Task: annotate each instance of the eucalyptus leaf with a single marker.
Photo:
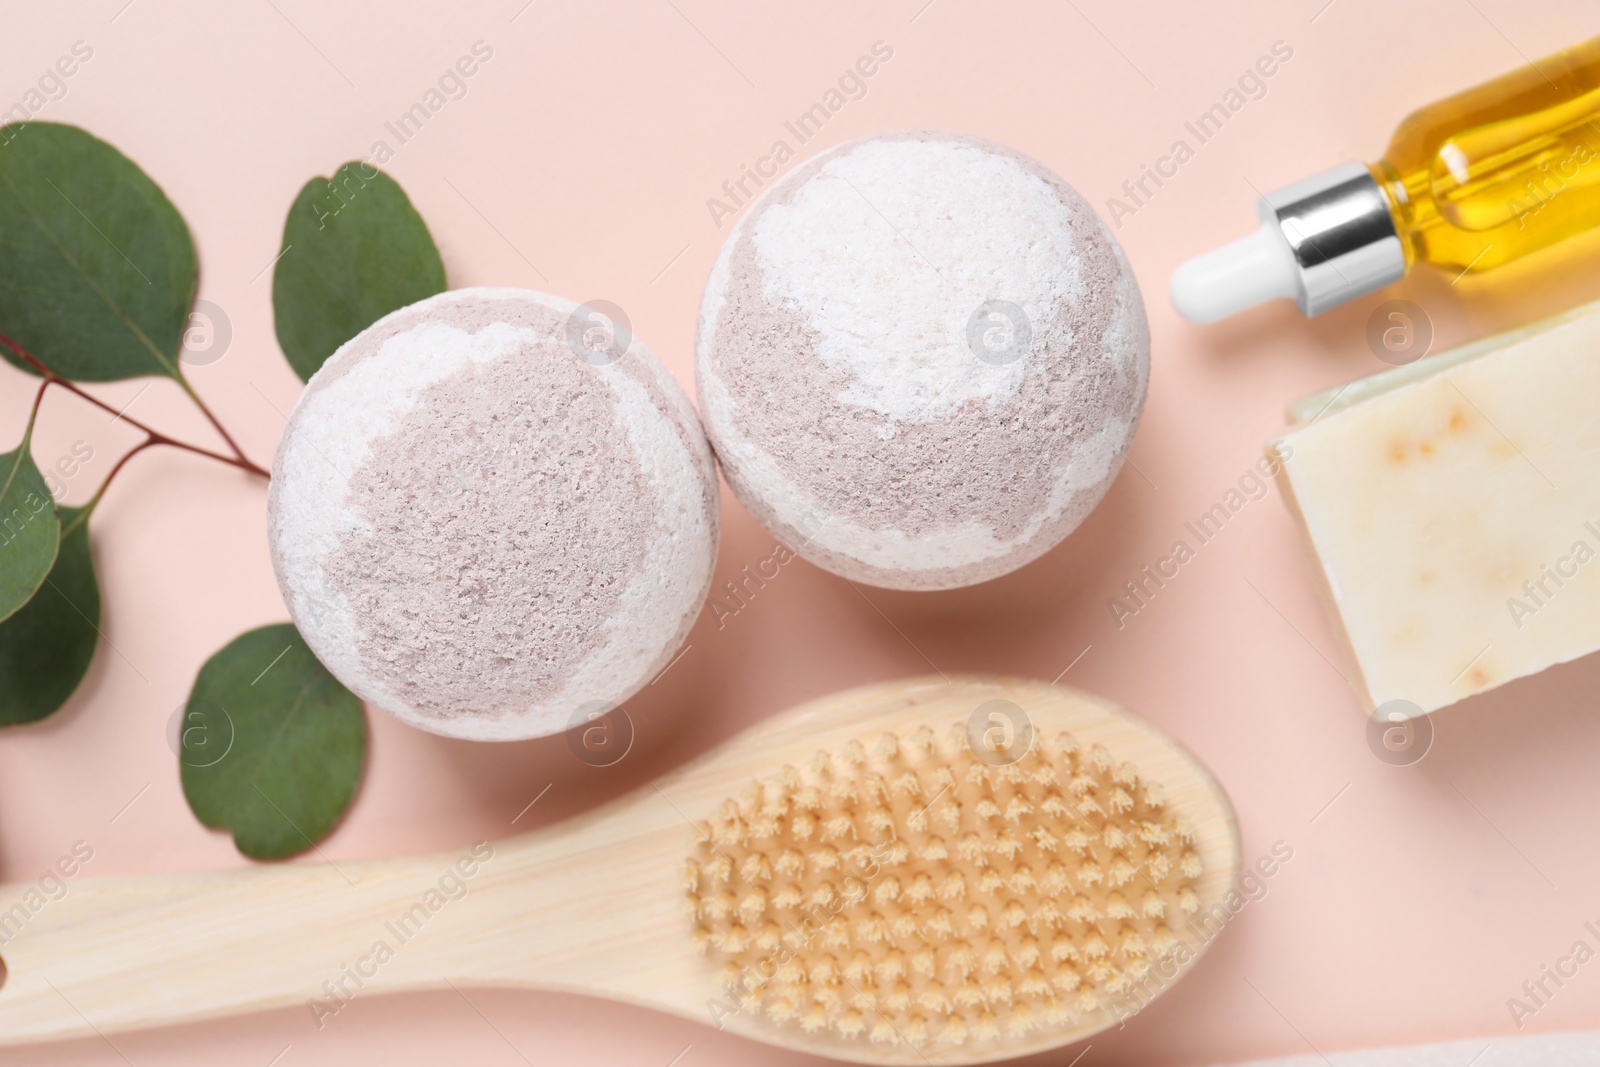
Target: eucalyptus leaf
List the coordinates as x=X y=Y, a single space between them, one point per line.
x=354 y=249
x=46 y=648
x=30 y=533
x=97 y=269
x=272 y=746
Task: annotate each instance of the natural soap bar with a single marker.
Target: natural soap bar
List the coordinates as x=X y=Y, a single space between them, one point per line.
x=1451 y=509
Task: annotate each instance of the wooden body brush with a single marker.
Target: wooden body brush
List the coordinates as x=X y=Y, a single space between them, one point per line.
x=926 y=871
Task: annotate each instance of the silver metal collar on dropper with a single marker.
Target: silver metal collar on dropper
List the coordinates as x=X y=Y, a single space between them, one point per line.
x=1321 y=242
x=1340 y=230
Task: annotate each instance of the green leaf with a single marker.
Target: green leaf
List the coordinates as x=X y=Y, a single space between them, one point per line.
x=30 y=533
x=97 y=270
x=272 y=746
x=46 y=648
x=354 y=249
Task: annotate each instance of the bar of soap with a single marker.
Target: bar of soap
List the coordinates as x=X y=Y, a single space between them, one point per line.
x=1451 y=509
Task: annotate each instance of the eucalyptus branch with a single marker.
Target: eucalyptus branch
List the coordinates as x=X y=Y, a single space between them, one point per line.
x=94 y=501
x=156 y=437
x=183 y=383
x=33 y=413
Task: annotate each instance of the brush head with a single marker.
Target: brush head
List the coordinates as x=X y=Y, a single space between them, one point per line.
x=923 y=890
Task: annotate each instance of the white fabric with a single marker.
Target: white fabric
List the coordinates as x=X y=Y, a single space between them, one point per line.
x=1544 y=1050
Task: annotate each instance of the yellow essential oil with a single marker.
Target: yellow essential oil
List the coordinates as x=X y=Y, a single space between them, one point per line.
x=1500 y=170
x=1473 y=181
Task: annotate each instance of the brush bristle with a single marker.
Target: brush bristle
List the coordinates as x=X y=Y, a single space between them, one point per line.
x=906 y=890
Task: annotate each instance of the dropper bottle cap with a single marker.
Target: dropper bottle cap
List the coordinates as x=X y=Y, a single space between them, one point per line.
x=1322 y=241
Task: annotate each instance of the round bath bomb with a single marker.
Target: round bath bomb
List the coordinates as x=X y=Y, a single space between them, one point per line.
x=921 y=359
x=487 y=525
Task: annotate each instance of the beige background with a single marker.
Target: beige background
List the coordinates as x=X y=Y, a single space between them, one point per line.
x=1418 y=899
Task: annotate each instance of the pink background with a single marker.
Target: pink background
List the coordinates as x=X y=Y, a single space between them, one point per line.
x=1418 y=898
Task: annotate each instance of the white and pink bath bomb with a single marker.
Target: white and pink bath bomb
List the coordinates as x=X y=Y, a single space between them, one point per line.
x=921 y=359
x=482 y=528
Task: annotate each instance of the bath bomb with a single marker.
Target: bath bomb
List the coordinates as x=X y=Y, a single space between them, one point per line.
x=921 y=358
x=490 y=521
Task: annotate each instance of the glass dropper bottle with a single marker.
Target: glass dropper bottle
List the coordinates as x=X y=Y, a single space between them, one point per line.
x=1476 y=180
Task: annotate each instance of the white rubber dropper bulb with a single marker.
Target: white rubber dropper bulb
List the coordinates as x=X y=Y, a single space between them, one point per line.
x=1243 y=274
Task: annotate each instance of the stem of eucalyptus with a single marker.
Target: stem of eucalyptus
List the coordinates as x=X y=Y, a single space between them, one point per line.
x=183 y=383
x=33 y=413
x=94 y=501
x=156 y=437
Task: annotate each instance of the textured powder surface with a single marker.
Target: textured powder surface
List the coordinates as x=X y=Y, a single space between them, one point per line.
x=480 y=531
x=526 y=572
x=842 y=390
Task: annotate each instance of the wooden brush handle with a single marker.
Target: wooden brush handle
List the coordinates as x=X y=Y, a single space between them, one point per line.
x=123 y=952
x=130 y=952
